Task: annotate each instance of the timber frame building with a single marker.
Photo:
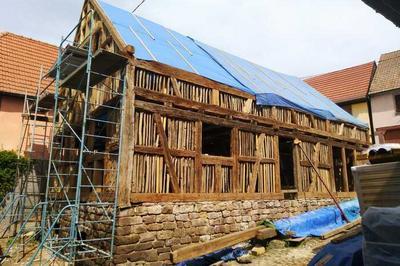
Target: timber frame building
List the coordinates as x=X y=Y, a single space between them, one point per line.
x=133 y=131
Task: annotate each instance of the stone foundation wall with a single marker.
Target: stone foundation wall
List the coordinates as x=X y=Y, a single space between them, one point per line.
x=147 y=233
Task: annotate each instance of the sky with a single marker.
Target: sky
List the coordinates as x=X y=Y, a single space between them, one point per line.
x=297 y=37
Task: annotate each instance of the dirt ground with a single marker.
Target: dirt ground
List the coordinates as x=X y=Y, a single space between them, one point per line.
x=289 y=256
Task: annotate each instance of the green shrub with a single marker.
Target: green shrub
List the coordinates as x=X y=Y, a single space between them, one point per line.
x=10 y=165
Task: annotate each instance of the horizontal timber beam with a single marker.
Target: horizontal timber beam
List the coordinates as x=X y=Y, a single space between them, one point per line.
x=179 y=197
x=191 y=115
x=220 y=111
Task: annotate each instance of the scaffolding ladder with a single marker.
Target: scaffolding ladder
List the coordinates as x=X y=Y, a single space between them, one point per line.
x=79 y=207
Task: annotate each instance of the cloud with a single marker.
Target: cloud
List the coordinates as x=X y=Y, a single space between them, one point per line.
x=296 y=37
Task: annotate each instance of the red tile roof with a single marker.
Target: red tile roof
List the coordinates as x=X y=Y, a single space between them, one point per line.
x=20 y=62
x=346 y=84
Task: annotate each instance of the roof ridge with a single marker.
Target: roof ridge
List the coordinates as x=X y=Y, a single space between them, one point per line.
x=338 y=70
x=5 y=33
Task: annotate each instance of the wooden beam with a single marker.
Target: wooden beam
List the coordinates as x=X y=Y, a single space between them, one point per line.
x=218 y=179
x=217 y=120
x=344 y=170
x=195 y=250
x=215 y=160
x=218 y=110
x=178 y=197
x=127 y=142
x=198 y=151
x=277 y=165
x=175 y=87
x=167 y=154
x=265 y=233
x=256 y=167
x=215 y=97
x=235 y=155
x=160 y=151
x=341 y=229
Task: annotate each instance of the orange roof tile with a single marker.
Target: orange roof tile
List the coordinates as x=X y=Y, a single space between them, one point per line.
x=346 y=84
x=20 y=62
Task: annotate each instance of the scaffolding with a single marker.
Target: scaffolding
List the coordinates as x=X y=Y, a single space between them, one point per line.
x=78 y=208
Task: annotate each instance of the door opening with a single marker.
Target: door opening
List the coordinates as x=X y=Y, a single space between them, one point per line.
x=286 y=163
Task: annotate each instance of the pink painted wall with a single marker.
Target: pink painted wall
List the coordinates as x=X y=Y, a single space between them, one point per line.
x=10 y=121
x=11 y=108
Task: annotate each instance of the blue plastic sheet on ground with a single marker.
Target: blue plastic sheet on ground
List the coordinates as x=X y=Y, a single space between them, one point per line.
x=346 y=253
x=154 y=42
x=318 y=222
x=226 y=254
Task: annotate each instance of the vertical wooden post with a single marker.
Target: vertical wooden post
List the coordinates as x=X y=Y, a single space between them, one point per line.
x=127 y=142
x=235 y=155
x=253 y=178
x=344 y=171
x=355 y=163
x=277 y=165
x=218 y=178
x=296 y=166
x=197 y=162
x=331 y=169
x=167 y=154
x=215 y=97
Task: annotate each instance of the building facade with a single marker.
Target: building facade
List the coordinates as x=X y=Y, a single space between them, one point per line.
x=349 y=89
x=21 y=60
x=385 y=98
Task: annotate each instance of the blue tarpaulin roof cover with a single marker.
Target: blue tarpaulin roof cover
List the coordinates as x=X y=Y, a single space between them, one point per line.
x=320 y=221
x=154 y=42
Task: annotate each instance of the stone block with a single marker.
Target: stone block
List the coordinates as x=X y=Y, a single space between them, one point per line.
x=147 y=236
x=163 y=235
x=158 y=243
x=155 y=209
x=127 y=239
x=186 y=208
x=146 y=255
x=226 y=213
x=205 y=238
x=214 y=215
x=199 y=222
x=143 y=246
x=182 y=217
x=138 y=229
x=186 y=240
x=154 y=227
x=167 y=209
x=165 y=218
x=125 y=221
x=168 y=225
x=149 y=219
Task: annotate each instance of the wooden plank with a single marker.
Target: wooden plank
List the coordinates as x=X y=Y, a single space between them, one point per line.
x=235 y=155
x=167 y=155
x=254 y=159
x=198 y=151
x=266 y=233
x=277 y=165
x=344 y=170
x=325 y=195
x=296 y=168
x=198 y=249
x=218 y=178
x=341 y=229
x=172 y=197
x=215 y=97
x=127 y=141
x=175 y=87
x=347 y=234
x=210 y=159
x=160 y=151
x=256 y=167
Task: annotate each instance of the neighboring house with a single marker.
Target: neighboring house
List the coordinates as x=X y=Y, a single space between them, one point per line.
x=348 y=88
x=385 y=98
x=20 y=61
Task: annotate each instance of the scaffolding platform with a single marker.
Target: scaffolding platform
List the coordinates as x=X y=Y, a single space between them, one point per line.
x=103 y=64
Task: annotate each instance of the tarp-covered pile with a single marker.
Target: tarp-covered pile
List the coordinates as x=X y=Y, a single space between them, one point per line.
x=318 y=222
